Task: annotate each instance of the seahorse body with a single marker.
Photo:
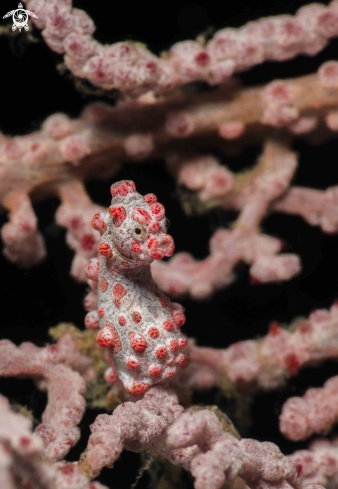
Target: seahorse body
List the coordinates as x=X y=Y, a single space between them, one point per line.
x=139 y=326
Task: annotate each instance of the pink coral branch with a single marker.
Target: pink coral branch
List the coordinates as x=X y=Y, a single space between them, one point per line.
x=195 y=440
x=318 y=208
x=265 y=363
x=46 y=163
x=21 y=465
x=23 y=242
x=268 y=181
x=319 y=464
x=136 y=426
x=254 y=194
x=135 y=71
x=202 y=174
x=17 y=442
x=96 y=144
x=215 y=185
x=222 y=457
x=75 y=214
x=66 y=405
x=184 y=275
x=315 y=412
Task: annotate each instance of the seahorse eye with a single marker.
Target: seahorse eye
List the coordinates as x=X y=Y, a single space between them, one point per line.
x=140 y=232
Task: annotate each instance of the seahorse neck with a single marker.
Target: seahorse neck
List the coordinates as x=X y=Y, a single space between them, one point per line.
x=139 y=274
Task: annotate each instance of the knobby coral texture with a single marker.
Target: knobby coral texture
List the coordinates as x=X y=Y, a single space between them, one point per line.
x=143 y=373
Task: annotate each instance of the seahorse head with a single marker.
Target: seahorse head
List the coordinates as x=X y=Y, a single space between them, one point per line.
x=134 y=231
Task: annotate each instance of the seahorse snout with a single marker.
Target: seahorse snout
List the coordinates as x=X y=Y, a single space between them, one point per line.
x=161 y=246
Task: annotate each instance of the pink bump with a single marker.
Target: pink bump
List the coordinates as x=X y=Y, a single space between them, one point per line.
x=132 y=363
x=136 y=247
x=168 y=325
x=105 y=250
x=110 y=375
x=178 y=318
x=105 y=337
x=108 y=337
x=118 y=212
x=157 y=211
x=202 y=59
x=122 y=188
x=328 y=74
x=101 y=312
x=231 y=130
x=154 y=226
x=179 y=124
x=122 y=320
x=181 y=359
x=119 y=291
x=137 y=342
x=170 y=373
x=136 y=317
x=98 y=222
x=137 y=388
x=103 y=285
x=161 y=351
x=150 y=198
x=58 y=126
x=141 y=216
x=74 y=149
x=92 y=269
x=92 y=320
x=153 y=332
x=173 y=345
x=154 y=370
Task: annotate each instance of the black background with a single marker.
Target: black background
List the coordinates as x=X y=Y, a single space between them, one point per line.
x=34 y=300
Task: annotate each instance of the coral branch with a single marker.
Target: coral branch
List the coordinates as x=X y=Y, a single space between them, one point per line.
x=75 y=214
x=132 y=69
x=195 y=440
x=254 y=194
x=65 y=387
x=316 y=412
x=135 y=426
x=258 y=107
x=48 y=163
x=318 y=208
x=17 y=442
x=265 y=363
x=319 y=464
x=102 y=138
x=23 y=242
x=222 y=458
x=20 y=464
x=202 y=174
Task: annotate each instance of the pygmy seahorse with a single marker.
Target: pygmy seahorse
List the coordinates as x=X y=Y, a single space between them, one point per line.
x=139 y=325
